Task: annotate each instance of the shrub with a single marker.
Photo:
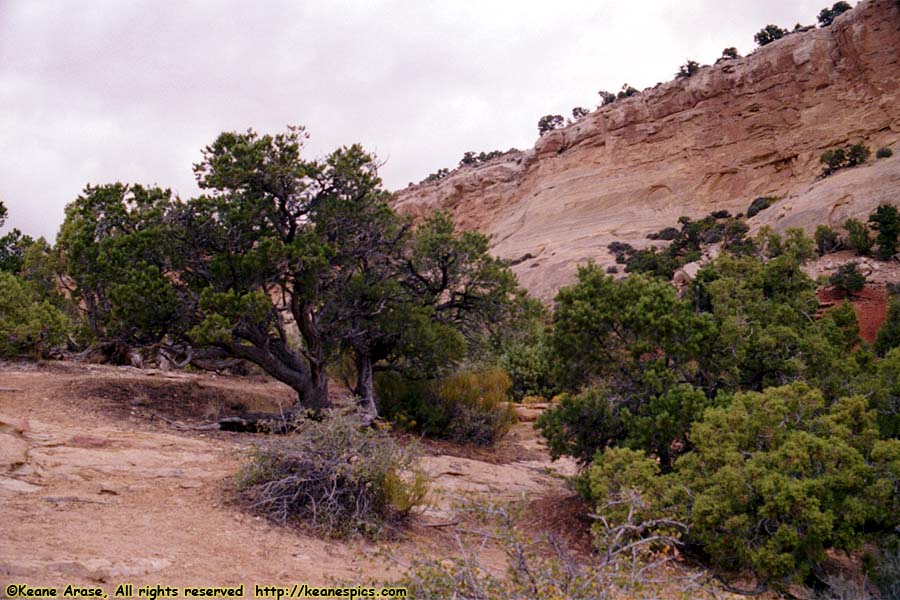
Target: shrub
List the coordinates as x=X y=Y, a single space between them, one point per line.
x=478 y=405
x=606 y=98
x=839 y=158
x=579 y=112
x=335 y=477
x=438 y=175
x=886 y=573
x=28 y=326
x=653 y=262
x=888 y=336
x=624 y=570
x=612 y=269
x=828 y=15
x=720 y=214
x=688 y=69
x=759 y=205
x=848 y=279
x=884 y=389
x=731 y=52
x=548 y=123
x=840 y=327
x=470 y=158
x=886 y=221
x=777 y=479
x=465 y=407
x=834 y=159
x=769 y=34
x=661 y=424
x=858 y=237
x=626 y=92
x=530 y=368
x=884 y=153
x=858 y=154
x=581 y=425
x=827 y=240
x=619 y=248
x=667 y=234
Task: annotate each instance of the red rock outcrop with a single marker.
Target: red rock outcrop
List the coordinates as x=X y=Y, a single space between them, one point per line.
x=747 y=127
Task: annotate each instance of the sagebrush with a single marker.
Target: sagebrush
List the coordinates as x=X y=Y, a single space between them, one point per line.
x=334 y=476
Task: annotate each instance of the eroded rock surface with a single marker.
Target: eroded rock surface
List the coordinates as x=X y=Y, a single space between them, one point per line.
x=744 y=128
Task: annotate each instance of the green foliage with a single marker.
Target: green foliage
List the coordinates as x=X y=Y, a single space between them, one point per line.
x=717 y=228
x=441 y=173
x=688 y=69
x=626 y=92
x=652 y=262
x=834 y=159
x=840 y=158
x=730 y=53
x=652 y=352
x=668 y=234
x=634 y=332
x=616 y=472
x=676 y=404
x=470 y=158
x=774 y=481
x=885 y=385
x=287 y=263
x=334 y=476
x=858 y=237
x=763 y=313
x=606 y=98
x=580 y=425
x=889 y=334
x=827 y=240
x=13 y=246
x=661 y=425
x=848 y=279
x=778 y=478
x=530 y=365
x=886 y=221
x=464 y=407
x=841 y=327
x=28 y=325
x=858 y=154
x=884 y=153
x=760 y=204
x=620 y=250
x=579 y=112
x=769 y=34
x=548 y=123
x=828 y=15
x=112 y=243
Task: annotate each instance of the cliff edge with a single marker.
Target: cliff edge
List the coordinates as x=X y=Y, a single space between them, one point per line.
x=743 y=128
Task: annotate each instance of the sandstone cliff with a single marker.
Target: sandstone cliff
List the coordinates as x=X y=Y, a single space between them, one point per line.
x=748 y=127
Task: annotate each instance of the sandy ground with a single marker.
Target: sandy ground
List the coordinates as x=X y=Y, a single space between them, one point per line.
x=96 y=487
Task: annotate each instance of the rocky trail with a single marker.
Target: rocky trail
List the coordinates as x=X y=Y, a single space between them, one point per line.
x=97 y=485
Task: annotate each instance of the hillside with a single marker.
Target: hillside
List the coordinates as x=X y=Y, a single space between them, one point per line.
x=744 y=128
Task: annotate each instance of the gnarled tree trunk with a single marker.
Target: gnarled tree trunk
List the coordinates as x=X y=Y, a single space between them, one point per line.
x=365 y=385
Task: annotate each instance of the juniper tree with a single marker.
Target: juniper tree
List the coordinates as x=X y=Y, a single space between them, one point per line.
x=285 y=262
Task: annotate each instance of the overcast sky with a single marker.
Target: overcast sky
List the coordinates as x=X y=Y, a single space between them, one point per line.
x=95 y=91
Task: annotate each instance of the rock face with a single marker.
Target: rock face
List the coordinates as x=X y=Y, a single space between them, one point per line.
x=744 y=128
